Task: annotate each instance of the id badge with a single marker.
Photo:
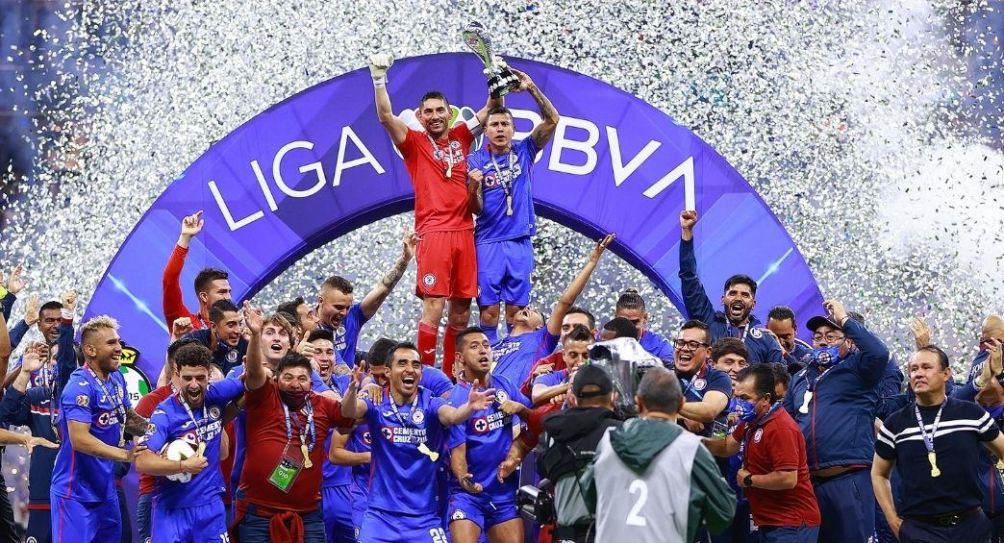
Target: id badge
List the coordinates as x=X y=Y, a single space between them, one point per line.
x=285 y=473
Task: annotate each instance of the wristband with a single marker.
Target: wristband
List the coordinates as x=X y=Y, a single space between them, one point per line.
x=748 y=480
x=380 y=81
x=3 y=292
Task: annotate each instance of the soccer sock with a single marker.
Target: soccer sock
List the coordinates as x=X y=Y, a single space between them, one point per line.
x=450 y=350
x=428 y=335
x=491 y=331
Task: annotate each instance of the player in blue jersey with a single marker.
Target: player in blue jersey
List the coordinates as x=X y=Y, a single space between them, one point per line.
x=336 y=311
x=408 y=429
x=479 y=501
x=531 y=339
x=553 y=387
x=95 y=414
x=223 y=336
x=500 y=195
x=188 y=494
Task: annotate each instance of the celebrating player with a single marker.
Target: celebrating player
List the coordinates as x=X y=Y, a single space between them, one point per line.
x=447 y=266
x=500 y=178
x=211 y=285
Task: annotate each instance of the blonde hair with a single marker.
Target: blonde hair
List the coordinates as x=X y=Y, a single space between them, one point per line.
x=97 y=323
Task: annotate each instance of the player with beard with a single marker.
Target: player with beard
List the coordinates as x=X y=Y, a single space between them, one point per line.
x=532 y=339
x=555 y=361
x=336 y=311
x=211 y=285
x=95 y=414
x=435 y=159
x=190 y=508
x=631 y=306
x=281 y=479
x=409 y=428
x=553 y=387
x=223 y=337
x=479 y=501
x=706 y=389
x=738 y=300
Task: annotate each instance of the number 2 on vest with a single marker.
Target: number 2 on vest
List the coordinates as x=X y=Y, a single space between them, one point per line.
x=634 y=517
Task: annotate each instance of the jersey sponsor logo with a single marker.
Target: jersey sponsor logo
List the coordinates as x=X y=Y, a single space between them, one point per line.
x=418 y=417
x=106 y=419
x=83 y=400
x=494 y=179
x=388 y=433
x=404 y=434
x=429 y=279
x=700 y=384
x=494 y=421
x=757 y=435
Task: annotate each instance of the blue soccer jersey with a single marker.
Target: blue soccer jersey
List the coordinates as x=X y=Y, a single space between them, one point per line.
x=551 y=379
x=102 y=404
x=347 y=335
x=172 y=421
x=436 y=381
x=507 y=174
x=515 y=355
x=403 y=476
x=488 y=434
x=336 y=475
x=657 y=346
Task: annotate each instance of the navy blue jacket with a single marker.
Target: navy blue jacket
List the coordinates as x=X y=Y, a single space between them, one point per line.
x=224 y=356
x=839 y=428
x=993 y=482
x=794 y=360
x=762 y=346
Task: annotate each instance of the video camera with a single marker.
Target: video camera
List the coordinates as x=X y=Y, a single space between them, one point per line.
x=536 y=503
x=626 y=361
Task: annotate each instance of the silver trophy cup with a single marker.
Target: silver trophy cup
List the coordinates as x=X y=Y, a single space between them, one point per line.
x=501 y=80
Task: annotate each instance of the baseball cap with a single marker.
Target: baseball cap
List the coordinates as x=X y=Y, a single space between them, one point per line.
x=819 y=320
x=591 y=375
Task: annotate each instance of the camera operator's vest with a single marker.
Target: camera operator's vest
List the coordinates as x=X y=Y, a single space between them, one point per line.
x=648 y=508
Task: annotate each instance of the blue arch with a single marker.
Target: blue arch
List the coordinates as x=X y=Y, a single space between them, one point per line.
x=318 y=165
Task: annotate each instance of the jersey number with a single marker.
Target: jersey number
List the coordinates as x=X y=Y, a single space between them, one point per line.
x=634 y=517
x=438 y=535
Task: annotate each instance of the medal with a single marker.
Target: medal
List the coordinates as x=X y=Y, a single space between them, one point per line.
x=308 y=434
x=505 y=180
x=933 y=459
x=201 y=449
x=805 y=402
x=424 y=449
x=508 y=204
x=117 y=404
x=306 y=456
x=449 y=154
x=1000 y=464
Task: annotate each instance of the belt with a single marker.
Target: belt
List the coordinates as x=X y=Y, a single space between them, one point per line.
x=828 y=474
x=947 y=519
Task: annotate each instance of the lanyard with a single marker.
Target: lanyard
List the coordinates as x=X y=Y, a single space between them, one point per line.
x=929 y=438
x=690 y=382
x=449 y=154
x=505 y=180
x=117 y=404
x=305 y=431
x=755 y=425
x=199 y=431
x=397 y=414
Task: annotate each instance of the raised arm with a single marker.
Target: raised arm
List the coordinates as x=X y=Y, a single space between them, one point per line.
x=5 y=348
x=874 y=353
x=475 y=191
x=543 y=132
x=254 y=371
x=567 y=299
x=66 y=356
x=21 y=328
x=352 y=406
x=695 y=298
x=174 y=304
x=379 y=64
x=375 y=297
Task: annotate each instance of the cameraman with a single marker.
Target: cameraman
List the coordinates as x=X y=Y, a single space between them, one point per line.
x=568 y=446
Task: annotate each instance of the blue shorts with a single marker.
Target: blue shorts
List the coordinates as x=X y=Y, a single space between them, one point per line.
x=337 y=504
x=199 y=523
x=504 y=269
x=481 y=509
x=86 y=522
x=386 y=527
x=359 y=500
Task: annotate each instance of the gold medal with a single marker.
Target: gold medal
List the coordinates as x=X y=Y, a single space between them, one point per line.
x=201 y=450
x=424 y=449
x=1000 y=464
x=306 y=456
x=933 y=459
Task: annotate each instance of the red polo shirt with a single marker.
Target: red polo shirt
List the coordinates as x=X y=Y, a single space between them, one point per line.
x=778 y=445
x=555 y=359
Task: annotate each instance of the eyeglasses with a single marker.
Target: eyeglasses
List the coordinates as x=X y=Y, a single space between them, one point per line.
x=828 y=337
x=692 y=345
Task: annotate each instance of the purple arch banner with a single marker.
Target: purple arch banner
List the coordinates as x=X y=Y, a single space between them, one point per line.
x=318 y=165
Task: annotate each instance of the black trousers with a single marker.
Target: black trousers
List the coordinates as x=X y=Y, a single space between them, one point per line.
x=8 y=531
x=974 y=529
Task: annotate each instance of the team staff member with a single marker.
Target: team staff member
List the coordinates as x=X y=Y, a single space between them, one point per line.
x=738 y=301
x=409 y=429
x=211 y=284
x=631 y=306
x=834 y=401
x=781 y=322
x=336 y=311
x=95 y=414
x=706 y=388
x=774 y=475
x=447 y=263
x=189 y=508
x=281 y=478
x=933 y=442
x=500 y=195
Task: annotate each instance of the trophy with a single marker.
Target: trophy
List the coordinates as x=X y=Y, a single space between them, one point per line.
x=501 y=80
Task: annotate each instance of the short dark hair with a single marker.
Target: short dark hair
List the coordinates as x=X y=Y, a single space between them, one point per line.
x=498 y=110
x=401 y=345
x=781 y=375
x=220 y=308
x=582 y=311
x=338 y=283
x=193 y=355
x=207 y=276
x=172 y=349
x=321 y=333
x=290 y=306
x=621 y=327
x=630 y=299
x=741 y=279
x=694 y=323
x=433 y=95
x=729 y=345
x=782 y=313
x=294 y=323
x=49 y=306
x=579 y=332
x=462 y=335
x=942 y=355
x=660 y=390
x=379 y=351
x=763 y=378
x=293 y=360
